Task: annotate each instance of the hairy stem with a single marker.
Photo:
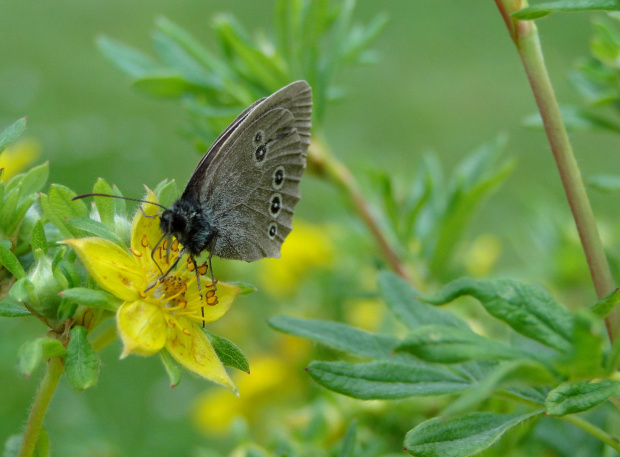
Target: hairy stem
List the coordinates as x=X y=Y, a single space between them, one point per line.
x=525 y=37
x=42 y=399
x=326 y=165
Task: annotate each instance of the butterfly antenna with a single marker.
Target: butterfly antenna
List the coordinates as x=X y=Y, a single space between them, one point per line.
x=78 y=197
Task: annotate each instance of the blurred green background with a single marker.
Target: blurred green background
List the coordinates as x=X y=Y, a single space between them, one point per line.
x=448 y=79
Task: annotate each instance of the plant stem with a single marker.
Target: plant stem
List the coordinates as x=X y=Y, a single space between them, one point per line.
x=525 y=37
x=39 y=407
x=593 y=430
x=325 y=164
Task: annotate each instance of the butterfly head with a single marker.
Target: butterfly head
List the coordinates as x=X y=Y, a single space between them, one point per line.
x=187 y=222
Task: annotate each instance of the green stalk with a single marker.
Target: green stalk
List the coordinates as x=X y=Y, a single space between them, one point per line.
x=42 y=399
x=593 y=430
x=525 y=37
x=324 y=164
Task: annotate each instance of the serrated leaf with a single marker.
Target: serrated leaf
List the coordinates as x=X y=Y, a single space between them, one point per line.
x=33 y=352
x=11 y=133
x=92 y=298
x=105 y=205
x=127 y=58
x=402 y=300
x=575 y=397
x=174 y=370
x=11 y=263
x=338 y=336
x=528 y=309
x=565 y=6
x=229 y=354
x=436 y=343
x=461 y=436
x=81 y=361
x=96 y=228
x=385 y=379
x=38 y=238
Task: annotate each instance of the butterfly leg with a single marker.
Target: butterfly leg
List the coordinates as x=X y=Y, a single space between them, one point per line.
x=202 y=308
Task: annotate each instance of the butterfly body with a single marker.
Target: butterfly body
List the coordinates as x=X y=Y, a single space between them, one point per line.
x=239 y=202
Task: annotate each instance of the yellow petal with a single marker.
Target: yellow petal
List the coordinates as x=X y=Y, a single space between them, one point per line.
x=143 y=226
x=113 y=268
x=189 y=346
x=142 y=327
x=226 y=294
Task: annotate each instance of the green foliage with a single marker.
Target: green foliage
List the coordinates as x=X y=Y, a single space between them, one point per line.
x=440 y=354
x=229 y=353
x=435 y=211
x=81 y=361
x=544 y=9
x=312 y=40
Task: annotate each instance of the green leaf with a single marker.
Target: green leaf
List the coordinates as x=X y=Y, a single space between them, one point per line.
x=607 y=303
x=168 y=193
x=338 y=336
x=92 y=298
x=269 y=71
x=528 y=309
x=575 y=397
x=34 y=180
x=348 y=444
x=33 y=352
x=19 y=213
x=11 y=133
x=435 y=343
x=245 y=287
x=105 y=205
x=81 y=361
x=42 y=448
x=10 y=262
x=58 y=207
x=462 y=436
x=8 y=216
x=605 y=183
x=10 y=309
x=517 y=372
x=174 y=370
x=544 y=9
x=402 y=300
x=130 y=60
x=585 y=357
x=385 y=380
x=38 y=238
x=229 y=354
x=96 y=228
x=193 y=48
x=167 y=83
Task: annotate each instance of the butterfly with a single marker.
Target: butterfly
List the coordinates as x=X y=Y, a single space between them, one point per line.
x=240 y=200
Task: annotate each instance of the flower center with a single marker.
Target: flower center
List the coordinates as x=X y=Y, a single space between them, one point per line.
x=179 y=293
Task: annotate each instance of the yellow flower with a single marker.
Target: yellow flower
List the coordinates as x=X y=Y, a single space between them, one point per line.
x=17 y=156
x=168 y=315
